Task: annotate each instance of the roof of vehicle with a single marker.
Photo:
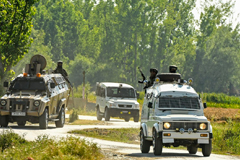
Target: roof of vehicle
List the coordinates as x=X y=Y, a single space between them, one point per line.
x=175 y=88
x=112 y=84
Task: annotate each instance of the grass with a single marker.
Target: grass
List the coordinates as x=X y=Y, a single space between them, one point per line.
x=87 y=122
x=14 y=146
x=126 y=135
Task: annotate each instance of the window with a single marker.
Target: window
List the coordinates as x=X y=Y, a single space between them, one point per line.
x=121 y=92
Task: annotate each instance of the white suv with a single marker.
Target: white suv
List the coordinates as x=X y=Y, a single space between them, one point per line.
x=116 y=100
x=172 y=115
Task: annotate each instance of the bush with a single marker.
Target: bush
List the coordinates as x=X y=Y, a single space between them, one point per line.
x=74 y=115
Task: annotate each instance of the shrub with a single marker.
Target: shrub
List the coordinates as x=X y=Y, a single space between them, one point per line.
x=74 y=115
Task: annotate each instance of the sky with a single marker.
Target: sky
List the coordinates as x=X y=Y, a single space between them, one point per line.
x=236 y=11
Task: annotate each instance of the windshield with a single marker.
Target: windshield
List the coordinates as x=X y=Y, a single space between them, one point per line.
x=179 y=102
x=27 y=85
x=121 y=92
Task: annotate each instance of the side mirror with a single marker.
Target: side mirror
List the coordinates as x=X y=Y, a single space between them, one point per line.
x=5 y=84
x=52 y=85
x=137 y=95
x=150 y=105
x=205 y=105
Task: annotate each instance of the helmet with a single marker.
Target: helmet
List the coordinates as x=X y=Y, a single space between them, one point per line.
x=172 y=69
x=154 y=70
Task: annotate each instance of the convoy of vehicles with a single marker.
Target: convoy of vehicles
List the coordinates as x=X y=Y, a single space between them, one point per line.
x=172 y=115
x=35 y=97
x=116 y=100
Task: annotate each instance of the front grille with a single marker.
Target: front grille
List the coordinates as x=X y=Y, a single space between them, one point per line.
x=19 y=105
x=179 y=102
x=125 y=106
x=186 y=125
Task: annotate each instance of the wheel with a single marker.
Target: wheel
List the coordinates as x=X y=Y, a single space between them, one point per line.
x=61 y=118
x=144 y=144
x=127 y=119
x=43 y=120
x=207 y=149
x=107 y=115
x=3 y=121
x=157 y=144
x=192 y=149
x=21 y=123
x=136 y=118
x=99 y=116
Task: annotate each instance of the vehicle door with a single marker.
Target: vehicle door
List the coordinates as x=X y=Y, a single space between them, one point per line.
x=54 y=98
x=102 y=100
x=150 y=115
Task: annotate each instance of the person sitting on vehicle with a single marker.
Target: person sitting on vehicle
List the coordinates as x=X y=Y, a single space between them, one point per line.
x=60 y=69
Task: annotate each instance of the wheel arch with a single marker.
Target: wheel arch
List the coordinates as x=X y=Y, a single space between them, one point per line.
x=144 y=128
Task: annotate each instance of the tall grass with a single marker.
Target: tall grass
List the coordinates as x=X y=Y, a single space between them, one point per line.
x=16 y=147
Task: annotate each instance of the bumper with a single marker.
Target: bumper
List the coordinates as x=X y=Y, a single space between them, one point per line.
x=28 y=113
x=186 y=136
x=123 y=112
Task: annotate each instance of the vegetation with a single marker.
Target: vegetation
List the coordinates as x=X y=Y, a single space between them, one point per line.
x=74 y=115
x=127 y=135
x=16 y=147
x=87 y=122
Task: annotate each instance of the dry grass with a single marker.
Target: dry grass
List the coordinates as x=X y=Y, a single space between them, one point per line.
x=87 y=122
x=222 y=114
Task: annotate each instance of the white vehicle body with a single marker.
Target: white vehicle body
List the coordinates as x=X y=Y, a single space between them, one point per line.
x=116 y=100
x=180 y=107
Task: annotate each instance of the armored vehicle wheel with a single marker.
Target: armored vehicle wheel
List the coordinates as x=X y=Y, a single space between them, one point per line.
x=21 y=123
x=3 y=121
x=43 y=120
x=136 y=118
x=207 y=149
x=99 y=116
x=127 y=119
x=107 y=114
x=61 y=118
x=144 y=144
x=157 y=144
x=192 y=149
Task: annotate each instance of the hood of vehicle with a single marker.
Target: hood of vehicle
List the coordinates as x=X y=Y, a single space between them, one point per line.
x=123 y=101
x=177 y=117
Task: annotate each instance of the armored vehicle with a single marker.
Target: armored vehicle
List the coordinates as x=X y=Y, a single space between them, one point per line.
x=35 y=96
x=116 y=100
x=172 y=115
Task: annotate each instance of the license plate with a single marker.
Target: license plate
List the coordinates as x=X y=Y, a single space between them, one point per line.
x=125 y=112
x=18 y=113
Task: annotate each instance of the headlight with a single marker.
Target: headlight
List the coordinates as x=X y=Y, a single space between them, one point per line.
x=202 y=126
x=167 y=125
x=112 y=105
x=36 y=103
x=3 y=102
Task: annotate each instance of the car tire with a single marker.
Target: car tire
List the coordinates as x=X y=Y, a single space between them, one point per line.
x=127 y=119
x=107 y=115
x=136 y=118
x=157 y=144
x=43 y=120
x=144 y=144
x=192 y=149
x=99 y=116
x=61 y=117
x=21 y=124
x=3 y=121
x=207 y=149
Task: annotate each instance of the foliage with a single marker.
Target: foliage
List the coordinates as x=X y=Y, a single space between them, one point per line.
x=47 y=148
x=74 y=115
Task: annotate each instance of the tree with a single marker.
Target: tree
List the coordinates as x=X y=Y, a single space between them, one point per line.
x=15 y=29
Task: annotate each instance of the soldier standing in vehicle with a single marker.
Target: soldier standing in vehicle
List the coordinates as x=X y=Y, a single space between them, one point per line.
x=153 y=74
x=172 y=69
x=60 y=69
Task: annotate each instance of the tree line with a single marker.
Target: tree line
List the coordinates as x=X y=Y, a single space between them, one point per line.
x=109 y=39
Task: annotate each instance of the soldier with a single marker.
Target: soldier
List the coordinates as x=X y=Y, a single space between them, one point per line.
x=173 y=69
x=153 y=74
x=60 y=69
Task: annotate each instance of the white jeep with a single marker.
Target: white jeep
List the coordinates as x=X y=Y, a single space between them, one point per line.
x=116 y=100
x=172 y=115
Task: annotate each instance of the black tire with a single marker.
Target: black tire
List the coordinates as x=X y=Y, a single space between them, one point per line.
x=207 y=149
x=144 y=144
x=157 y=144
x=21 y=123
x=192 y=149
x=61 y=117
x=3 y=121
x=136 y=118
x=99 y=116
x=43 y=120
x=107 y=115
x=127 y=119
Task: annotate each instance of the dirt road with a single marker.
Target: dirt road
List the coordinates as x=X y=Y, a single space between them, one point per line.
x=130 y=151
